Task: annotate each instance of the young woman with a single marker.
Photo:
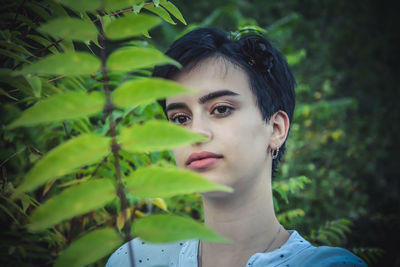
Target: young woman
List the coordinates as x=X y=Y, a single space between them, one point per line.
x=244 y=104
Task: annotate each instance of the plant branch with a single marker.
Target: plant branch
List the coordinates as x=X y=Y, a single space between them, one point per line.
x=115 y=146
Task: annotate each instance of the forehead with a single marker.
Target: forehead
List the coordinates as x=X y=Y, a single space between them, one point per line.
x=210 y=75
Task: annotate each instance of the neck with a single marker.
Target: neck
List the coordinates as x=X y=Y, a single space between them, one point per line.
x=247 y=218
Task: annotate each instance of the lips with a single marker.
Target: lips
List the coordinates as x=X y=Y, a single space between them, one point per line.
x=202 y=159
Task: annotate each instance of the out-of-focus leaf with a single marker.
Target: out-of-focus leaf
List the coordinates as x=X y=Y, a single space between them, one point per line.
x=81 y=6
x=157 y=135
x=82 y=150
x=160 y=11
x=36 y=84
x=153 y=182
x=120 y=4
x=70 y=63
x=144 y=91
x=131 y=58
x=71 y=105
x=73 y=201
x=70 y=29
x=168 y=228
x=13 y=55
x=89 y=248
x=130 y=26
x=173 y=10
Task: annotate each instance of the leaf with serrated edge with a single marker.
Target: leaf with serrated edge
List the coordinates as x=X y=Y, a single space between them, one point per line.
x=157 y=135
x=73 y=201
x=71 y=105
x=132 y=58
x=82 y=150
x=153 y=182
x=173 y=10
x=89 y=248
x=70 y=29
x=168 y=228
x=144 y=91
x=70 y=63
x=130 y=26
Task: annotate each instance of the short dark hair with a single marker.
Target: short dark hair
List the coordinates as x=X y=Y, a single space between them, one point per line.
x=270 y=77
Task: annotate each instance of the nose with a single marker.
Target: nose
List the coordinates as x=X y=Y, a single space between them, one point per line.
x=200 y=126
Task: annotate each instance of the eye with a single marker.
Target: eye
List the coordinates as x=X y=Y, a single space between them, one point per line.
x=179 y=119
x=222 y=111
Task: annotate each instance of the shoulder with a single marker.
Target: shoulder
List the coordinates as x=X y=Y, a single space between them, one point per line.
x=329 y=256
x=146 y=254
x=298 y=252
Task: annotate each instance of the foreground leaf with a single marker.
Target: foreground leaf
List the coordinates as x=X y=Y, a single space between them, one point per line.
x=154 y=182
x=160 y=11
x=70 y=29
x=168 y=228
x=70 y=63
x=130 y=26
x=133 y=58
x=144 y=91
x=73 y=201
x=71 y=105
x=82 y=150
x=173 y=10
x=89 y=248
x=157 y=135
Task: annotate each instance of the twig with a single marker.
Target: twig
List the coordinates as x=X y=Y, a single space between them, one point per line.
x=115 y=147
x=99 y=165
x=13 y=155
x=38 y=53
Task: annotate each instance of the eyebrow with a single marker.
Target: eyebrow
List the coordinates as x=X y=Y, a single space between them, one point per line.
x=203 y=99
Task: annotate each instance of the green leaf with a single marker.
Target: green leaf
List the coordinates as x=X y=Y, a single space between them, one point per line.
x=89 y=248
x=120 y=4
x=70 y=63
x=13 y=55
x=70 y=29
x=157 y=135
x=151 y=182
x=160 y=11
x=81 y=6
x=36 y=84
x=132 y=58
x=82 y=150
x=173 y=10
x=130 y=26
x=71 y=202
x=144 y=91
x=68 y=106
x=168 y=228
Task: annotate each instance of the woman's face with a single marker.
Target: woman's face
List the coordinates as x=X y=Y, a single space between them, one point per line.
x=223 y=109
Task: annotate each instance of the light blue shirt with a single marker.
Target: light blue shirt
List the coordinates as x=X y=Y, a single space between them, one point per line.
x=295 y=252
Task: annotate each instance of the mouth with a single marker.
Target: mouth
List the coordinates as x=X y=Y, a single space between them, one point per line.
x=202 y=160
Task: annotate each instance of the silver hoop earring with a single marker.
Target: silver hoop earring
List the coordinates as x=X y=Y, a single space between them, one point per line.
x=275 y=153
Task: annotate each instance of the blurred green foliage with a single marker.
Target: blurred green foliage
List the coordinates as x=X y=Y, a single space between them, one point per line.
x=338 y=182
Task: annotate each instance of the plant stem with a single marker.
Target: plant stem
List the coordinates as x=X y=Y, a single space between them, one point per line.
x=115 y=147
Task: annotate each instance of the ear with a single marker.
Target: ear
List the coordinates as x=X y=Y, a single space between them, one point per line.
x=280 y=128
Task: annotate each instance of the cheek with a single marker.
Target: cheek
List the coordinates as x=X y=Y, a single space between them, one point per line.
x=179 y=157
